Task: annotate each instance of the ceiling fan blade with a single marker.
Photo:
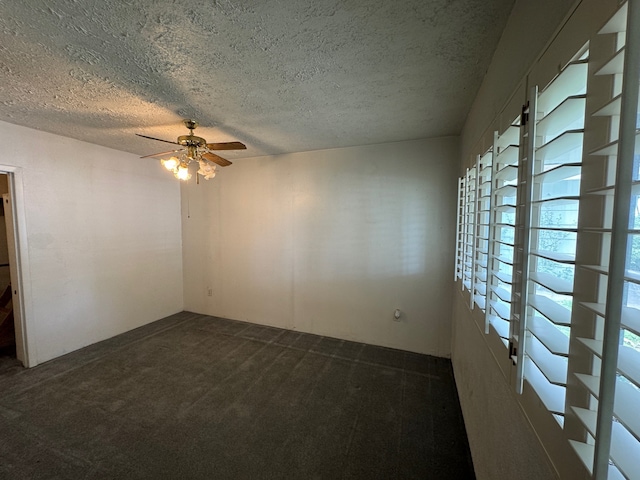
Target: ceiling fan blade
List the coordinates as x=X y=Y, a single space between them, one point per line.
x=162 y=153
x=212 y=157
x=158 y=139
x=227 y=146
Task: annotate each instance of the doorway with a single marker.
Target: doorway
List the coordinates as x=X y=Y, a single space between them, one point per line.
x=7 y=327
x=13 y=259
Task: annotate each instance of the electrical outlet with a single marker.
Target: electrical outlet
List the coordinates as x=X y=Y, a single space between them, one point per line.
x=210 y=292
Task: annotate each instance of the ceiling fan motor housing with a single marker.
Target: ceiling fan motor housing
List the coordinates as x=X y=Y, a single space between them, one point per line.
x=191 y=141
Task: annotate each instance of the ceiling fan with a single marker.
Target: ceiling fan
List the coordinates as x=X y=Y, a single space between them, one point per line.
x=194 y=149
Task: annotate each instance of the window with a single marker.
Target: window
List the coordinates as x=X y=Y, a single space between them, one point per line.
x=468 y=223
x=612 y=381
x=549 y=243
x=483 y=209
x=460 y=231
x=502 y=231
x=551 y=176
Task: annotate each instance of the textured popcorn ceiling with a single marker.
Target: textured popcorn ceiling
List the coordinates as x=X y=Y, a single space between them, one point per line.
x=279 y=75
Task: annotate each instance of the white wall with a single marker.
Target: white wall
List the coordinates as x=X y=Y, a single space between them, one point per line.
x=503 y=445
x=103 y=235
x=329 y=242
x=502 y=442
x=529 y=29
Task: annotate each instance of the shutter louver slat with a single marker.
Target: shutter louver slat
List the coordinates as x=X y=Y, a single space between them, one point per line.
x=585 y=452
x=550 y=309
x=631 y=319
x=569 y=111
x=553 y=283
x=552 y=396
x=612 y=107
x=501 y=326
x=594 y=345
x=549 y=336
x=625 y=451
x=625 y=406
x=587 y=417
x=613 y=66
x=553 y=367
x=629 y=364
x=562 y=144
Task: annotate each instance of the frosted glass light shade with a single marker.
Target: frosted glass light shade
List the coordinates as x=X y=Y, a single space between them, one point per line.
x=182 y=173
x=170 y=164
x=207 y=170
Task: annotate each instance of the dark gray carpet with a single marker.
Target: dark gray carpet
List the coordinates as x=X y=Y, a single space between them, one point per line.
x=192 y=396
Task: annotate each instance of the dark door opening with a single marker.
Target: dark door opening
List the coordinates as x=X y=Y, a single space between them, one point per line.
x=7 y=324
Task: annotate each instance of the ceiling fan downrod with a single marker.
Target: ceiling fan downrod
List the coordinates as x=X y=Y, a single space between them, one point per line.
x=191 y=140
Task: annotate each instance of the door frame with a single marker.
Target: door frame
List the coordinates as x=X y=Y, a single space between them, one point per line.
x=19 y=258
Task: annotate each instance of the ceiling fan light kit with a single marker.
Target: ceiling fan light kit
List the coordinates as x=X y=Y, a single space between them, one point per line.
x=194 y=149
